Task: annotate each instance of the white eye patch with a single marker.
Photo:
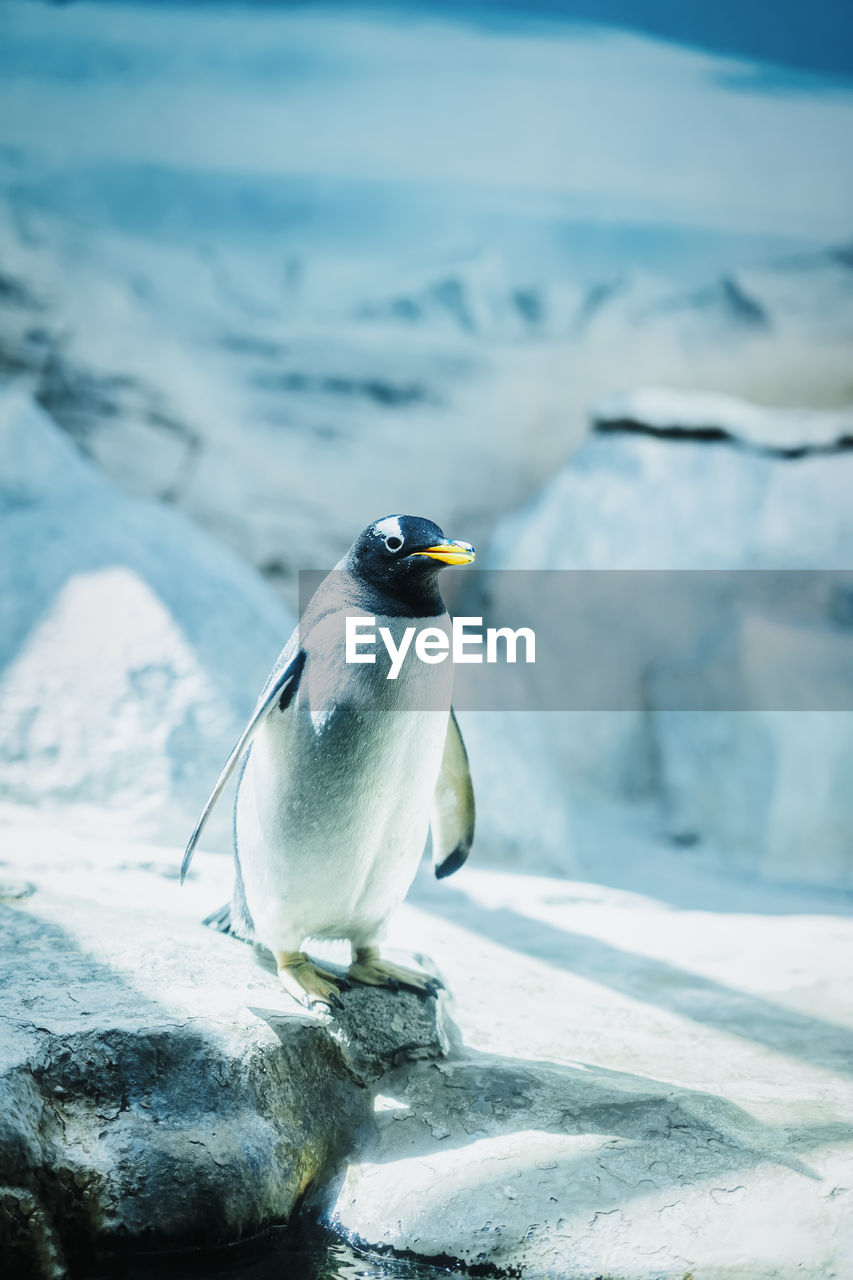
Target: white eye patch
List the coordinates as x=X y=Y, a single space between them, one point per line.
x=390 y=528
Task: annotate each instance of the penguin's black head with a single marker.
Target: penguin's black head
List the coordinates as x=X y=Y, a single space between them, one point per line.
x=400 y=557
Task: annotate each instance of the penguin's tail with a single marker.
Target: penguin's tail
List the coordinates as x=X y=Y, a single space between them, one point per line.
x=231 y=921
x=220 y=920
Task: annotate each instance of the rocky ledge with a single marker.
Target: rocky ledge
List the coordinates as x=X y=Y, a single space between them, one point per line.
x=158 y=1088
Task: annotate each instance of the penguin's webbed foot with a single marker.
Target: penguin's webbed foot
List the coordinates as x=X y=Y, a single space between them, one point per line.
x=309 y=985
x=367 y=967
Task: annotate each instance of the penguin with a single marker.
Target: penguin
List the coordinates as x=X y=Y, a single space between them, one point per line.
x=343 y=771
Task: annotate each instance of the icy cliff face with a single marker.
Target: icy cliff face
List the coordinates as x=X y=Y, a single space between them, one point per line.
x=686 y=482
x=690 y=481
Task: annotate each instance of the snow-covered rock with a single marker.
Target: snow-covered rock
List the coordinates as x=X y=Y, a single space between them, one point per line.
x=132 y=646
x=765 y=785
x=630 y=501
x=697 y=415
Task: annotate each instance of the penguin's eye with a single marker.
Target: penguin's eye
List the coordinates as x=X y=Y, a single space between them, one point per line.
x=393 y=543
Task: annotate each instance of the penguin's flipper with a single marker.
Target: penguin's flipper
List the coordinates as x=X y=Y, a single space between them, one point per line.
x=452 y=820
x=279 y=690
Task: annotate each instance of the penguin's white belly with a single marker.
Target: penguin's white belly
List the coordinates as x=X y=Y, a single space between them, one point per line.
x=333 y=808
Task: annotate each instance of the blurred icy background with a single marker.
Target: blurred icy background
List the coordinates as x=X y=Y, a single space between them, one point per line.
x=269 y=271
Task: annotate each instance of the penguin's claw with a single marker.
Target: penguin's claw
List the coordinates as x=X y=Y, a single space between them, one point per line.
x=337 y=979
x=369 y=969
x=312 y=987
